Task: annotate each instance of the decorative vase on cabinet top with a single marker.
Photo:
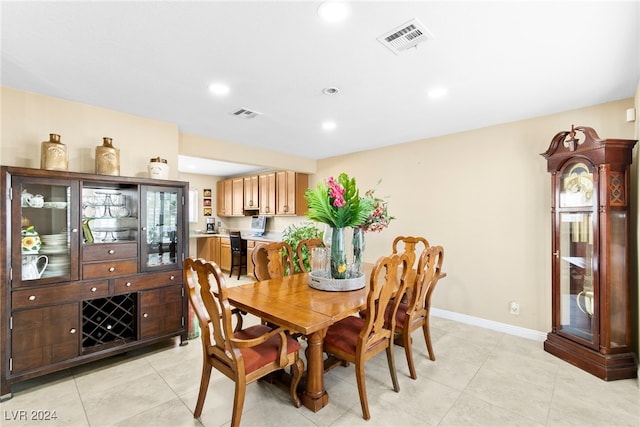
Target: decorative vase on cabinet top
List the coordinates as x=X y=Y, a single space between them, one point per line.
x=53 y=154
x=107 y=158
x=158 y=168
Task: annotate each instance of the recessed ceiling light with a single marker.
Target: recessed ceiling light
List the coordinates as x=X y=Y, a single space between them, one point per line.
x=219 y=89
x=437 y=92
x=331 y=90
x=333 y=11
x=328 y=125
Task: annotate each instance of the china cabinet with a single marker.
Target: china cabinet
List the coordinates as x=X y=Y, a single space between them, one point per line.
x=91 y=267
x=591 y=287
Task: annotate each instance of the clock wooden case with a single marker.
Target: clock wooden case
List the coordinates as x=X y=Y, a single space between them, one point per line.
x=590 y=214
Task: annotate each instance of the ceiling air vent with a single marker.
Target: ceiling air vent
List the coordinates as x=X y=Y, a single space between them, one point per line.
x=245 y=113
x=405 y=36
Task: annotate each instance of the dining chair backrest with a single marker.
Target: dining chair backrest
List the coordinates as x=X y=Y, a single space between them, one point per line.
x=389 y=279
x=238 y=253
x=410 y=245
x=272 y=260
x=303 y=251
x=242 y=355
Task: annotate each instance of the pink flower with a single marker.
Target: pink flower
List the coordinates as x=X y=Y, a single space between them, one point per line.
x=336 y=192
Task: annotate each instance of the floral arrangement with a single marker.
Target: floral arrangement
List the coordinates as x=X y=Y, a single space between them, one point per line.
x=337 y=202
x=379 y=218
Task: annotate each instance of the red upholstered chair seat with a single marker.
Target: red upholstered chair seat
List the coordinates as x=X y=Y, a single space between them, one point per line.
x=265 y=353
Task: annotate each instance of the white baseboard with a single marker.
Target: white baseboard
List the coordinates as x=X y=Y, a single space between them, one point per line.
x=490 y=324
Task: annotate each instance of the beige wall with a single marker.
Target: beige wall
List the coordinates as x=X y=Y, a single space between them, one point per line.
x=483 y=194
x=28 y=119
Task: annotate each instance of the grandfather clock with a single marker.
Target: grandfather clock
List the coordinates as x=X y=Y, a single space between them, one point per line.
x=591 y=320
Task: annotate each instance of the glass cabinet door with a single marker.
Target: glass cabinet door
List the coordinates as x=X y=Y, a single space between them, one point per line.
x=44 y=231
x=576 y=248
x=109 y=213
x=162 y=216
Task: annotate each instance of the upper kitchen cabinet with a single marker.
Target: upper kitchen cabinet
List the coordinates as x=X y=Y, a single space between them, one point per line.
x=251 y=194
x=271 y=193
x=224 y=197
x=290 y=189
x=237 y=196
x=267 y=189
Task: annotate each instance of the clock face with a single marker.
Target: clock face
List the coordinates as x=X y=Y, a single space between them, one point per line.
x=577 y=186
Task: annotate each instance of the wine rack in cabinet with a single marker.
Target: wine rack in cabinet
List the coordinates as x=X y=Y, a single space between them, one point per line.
x=91 y=268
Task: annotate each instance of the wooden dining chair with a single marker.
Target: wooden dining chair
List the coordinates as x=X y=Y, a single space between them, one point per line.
x=243 y=355
x=414 y=313
x=356 y=339
x=272 y=260
x=303 y=251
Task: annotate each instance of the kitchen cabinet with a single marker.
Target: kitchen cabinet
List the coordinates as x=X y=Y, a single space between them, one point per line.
x=267 y=189
x=92 y=267
x=209 y=248
x=290 y=189
x=237 y=198
x=251 y=193
x=225 y=254
x=224 y=197
x=591 y=258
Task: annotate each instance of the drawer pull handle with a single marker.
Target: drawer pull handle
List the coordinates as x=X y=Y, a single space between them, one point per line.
x=94 y=289
x=128 y=284
x=112 y=269
x=111 y=251
x=145 y=315
x=172 y=277
x=32 y=297
x=72 y=331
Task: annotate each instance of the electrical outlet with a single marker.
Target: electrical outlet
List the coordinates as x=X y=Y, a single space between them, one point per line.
x=514 y=308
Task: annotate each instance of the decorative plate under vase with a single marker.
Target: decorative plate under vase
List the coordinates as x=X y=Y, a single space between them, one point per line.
x=320 y=281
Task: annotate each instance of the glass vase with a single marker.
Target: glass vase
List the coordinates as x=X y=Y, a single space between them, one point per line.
x=358 y=248
x=338 y=254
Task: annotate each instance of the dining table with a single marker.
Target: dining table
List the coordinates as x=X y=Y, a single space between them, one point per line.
x=291 y=303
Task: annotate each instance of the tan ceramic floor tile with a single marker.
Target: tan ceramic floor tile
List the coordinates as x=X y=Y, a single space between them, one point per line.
x=472 y=411
x=111 y=406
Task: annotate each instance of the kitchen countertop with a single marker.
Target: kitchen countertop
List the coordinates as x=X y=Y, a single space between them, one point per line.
x=247 y=235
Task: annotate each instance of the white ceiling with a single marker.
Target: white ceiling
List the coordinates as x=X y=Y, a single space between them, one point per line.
x=499 y=61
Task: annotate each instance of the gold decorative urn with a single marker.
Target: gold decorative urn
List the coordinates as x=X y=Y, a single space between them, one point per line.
x=53 y=154
x=107 y=158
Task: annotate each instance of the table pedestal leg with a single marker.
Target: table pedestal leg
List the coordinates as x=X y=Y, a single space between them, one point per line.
x=315 y=397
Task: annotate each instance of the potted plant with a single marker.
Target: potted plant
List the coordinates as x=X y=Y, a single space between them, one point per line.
x=293 y=234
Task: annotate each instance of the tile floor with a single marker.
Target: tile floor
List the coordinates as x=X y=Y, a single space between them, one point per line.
x=480 y=378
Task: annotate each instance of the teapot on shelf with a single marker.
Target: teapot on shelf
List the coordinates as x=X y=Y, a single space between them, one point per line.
x=29 y=200
x=30 y=240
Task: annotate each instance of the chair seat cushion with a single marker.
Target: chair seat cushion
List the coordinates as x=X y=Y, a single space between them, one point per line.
x=343 y=335
x=265 y=353
x=401 y=314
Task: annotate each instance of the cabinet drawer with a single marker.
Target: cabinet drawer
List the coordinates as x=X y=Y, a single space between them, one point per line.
x=107 y=251
x=108 y=269
x=29 y=298
x=147 y=281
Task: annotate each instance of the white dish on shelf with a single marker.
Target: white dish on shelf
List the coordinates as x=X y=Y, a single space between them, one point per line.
x=55 y=205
